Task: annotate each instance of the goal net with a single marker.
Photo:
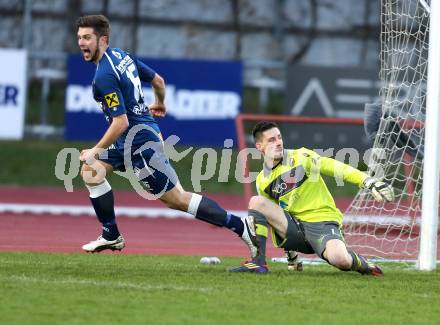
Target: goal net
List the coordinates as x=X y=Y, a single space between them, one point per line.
x=395 y=125
x=391 y=230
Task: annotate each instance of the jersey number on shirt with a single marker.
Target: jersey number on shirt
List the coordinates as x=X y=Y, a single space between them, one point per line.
x=138 y=94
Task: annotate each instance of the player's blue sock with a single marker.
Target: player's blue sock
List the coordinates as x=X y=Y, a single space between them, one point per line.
x=104 y=208
x=234 y=223
x=209 y=211
x=102 y=200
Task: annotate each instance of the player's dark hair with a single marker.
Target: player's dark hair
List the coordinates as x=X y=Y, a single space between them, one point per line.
x=262 y=126
x=99 y=23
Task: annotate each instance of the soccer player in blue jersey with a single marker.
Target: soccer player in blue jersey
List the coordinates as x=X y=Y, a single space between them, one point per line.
x=117 y=86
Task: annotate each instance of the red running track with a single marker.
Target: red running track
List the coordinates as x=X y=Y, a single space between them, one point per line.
x=152 y=236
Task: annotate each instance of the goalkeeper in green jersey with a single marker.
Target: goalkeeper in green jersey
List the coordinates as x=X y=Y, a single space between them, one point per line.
x=295 y=202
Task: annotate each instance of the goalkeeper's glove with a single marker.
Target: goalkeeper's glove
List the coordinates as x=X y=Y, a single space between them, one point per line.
x=381 y=191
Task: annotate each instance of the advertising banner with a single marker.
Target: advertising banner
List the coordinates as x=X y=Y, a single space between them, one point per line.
x=13 y=67
x=329 y=92
x=202 y=99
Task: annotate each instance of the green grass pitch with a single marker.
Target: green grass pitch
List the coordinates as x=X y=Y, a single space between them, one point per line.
x=40 y=288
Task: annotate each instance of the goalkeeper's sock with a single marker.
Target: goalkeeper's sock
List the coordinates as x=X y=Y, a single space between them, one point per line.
x=359 y=263
x=102 y=199
x=209 y=211
x=261 y=230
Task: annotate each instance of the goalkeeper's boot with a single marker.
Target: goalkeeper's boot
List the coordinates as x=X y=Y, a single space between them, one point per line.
x=250 y=267
x=374 y=270
x=101 y=244
x=293 y=263
x=249 y=235
x=363 y=266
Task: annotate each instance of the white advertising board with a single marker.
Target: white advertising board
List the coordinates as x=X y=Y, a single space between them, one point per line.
x=13 y=65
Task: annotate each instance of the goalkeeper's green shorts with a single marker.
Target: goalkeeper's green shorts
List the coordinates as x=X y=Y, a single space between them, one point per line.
x=307 y=237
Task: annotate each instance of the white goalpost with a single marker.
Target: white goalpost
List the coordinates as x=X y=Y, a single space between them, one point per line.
x=428 y=238
x=406 y=150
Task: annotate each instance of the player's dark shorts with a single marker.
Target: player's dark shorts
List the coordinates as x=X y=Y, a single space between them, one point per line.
x=308 y=237
x=148 y=161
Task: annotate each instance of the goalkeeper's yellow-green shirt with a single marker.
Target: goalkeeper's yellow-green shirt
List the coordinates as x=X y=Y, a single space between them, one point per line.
x=296 y=184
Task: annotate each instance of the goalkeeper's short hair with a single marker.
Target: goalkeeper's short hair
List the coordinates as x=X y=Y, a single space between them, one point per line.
x=262 y=126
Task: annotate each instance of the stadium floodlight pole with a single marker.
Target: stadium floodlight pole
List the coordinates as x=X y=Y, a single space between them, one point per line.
x=431 y=170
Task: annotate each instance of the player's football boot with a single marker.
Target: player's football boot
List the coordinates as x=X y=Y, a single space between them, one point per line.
x=374 y=270
x=369 y=268
x=250 y=267
x=249 y=235
x=101 y=244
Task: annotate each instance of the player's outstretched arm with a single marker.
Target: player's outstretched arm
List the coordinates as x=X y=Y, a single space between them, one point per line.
x=158 y=108
x=381 y=191
x=334 y=168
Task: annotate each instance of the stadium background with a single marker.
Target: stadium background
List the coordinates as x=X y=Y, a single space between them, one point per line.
x=316 y=58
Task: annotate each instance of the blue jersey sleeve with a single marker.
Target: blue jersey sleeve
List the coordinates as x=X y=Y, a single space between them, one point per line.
x=108 y=85
x=145 y=72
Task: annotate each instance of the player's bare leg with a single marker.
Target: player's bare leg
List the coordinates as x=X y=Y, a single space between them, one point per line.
x=177 y=198
x=272 y=212
x=336 y=254
x=101 y=196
